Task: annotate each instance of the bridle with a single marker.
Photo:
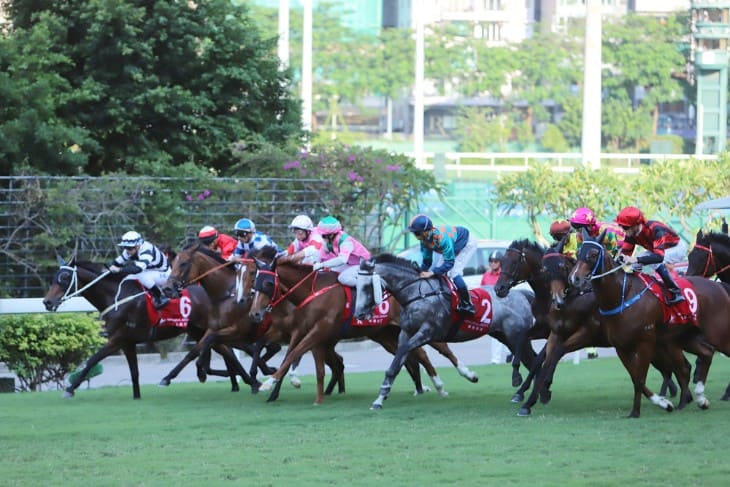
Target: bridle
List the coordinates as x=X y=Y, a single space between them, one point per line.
x=75 y=282
x=710 y=264
x=522 y=259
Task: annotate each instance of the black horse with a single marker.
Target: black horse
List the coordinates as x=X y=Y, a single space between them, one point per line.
x=123 y=308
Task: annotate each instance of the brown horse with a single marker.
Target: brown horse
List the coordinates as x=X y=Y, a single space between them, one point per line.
x=635 y=324
x=122 y=305
x=320 y=302
x=230 y=324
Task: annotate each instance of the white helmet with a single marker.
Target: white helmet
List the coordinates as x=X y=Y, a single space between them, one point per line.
x=131 y=239
x=302 y=222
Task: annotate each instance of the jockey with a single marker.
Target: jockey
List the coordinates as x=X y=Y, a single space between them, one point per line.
x=305 y=236
x=148 y=262
x=456 y=246
x=660 y=242
x=217 y=242
x=249 y=239
x=560 y=229
x=585 y=218
x=340 y=252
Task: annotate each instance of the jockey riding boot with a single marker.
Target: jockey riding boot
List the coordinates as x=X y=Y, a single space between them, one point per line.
x=465 y=306
x=674 y=291
x=160 y=300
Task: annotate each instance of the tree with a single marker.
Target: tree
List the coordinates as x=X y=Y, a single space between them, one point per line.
x=145 y=81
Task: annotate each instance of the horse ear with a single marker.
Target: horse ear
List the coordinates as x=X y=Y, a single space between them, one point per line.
x=60 y=260
x=561 y=244
x=602 y=236
x=724 y=226
x=584 y=234
x=699 y=235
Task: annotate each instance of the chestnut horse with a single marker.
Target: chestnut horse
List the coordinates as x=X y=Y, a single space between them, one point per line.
x=428 y=315
x=196 y=263
x=122 y=305
x=321 y=307
x=635 y=324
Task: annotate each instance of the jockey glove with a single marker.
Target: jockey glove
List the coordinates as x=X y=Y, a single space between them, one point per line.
x=129 y=269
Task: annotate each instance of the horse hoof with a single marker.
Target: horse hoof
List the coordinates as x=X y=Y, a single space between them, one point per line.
x=164 y=383
x=524 y=412
x=545 y=397
x=516 y=380
x=295 y=382
x=267 y=385
x=517 y=397
x=376 y=407
x=669 y=409
x=68 y=394
x=474 y=379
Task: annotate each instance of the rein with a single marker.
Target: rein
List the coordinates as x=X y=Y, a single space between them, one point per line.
x=75 y=282
x=209 y=271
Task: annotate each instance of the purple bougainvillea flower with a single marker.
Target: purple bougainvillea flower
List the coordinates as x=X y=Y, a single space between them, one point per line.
x=392 y=167
x=350 y=158
x=206 y=193
x=188 y=197
x=292 y=165
x=352 y=175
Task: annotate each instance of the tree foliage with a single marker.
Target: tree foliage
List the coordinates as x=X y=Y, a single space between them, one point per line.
x=661 y=190
x=116 y=84
x=42 y=349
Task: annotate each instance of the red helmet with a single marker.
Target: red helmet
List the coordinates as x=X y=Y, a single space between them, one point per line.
x=630 y=216
x=558 y=228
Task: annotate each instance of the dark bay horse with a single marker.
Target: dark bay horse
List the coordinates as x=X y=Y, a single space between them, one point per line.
x=320 y=302
x=229 y=324
x=635 y=324
x=710 y=256
x=123 y=308
x=427 y=314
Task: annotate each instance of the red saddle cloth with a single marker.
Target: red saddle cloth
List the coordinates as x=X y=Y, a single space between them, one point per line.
x=380 y=313
x=480 y=322
x=176 y=313
x=681 y=313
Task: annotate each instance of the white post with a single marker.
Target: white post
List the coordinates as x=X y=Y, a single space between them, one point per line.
x=283 y=45
x=591 y=137
x=307 y=66
x=418 y=102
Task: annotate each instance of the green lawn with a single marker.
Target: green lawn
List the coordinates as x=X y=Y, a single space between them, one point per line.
x=202 y=434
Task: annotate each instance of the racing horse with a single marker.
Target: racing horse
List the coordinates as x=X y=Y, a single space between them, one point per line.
x=122 y=304
x=637 y=327
x=324 y=315
x=427 y=314
x=569 y=313
x=574 y=320
x=196 y=263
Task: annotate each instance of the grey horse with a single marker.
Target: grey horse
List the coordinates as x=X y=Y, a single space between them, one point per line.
x=427 y=313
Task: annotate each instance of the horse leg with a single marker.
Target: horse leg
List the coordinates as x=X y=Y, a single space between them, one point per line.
x=464 y=371
x=192 y=354
x=130 y=352
x=554 y=350
x=704 y=352
x=520 y=346
x=387 y=337
x=636 y=363
x=294 y=379
x=406 y=343
x=234 y=367
x=318 y=353
x=337 y=365
x=109 y=348
x=535 y=368
x=272 y=348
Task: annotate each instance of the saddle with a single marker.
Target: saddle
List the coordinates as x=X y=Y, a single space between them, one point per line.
x=175 y=314
x=681 y=313
x=480 y=322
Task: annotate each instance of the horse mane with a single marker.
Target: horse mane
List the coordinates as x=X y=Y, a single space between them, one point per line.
x=525 y=244
x=205 y=251
x=405 y=264
x=718 y=237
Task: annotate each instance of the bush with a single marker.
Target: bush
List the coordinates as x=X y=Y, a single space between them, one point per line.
x=44 y=348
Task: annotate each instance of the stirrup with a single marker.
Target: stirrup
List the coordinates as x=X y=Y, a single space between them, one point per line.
x=675 y=298
x=466 y=308
x=161 y=303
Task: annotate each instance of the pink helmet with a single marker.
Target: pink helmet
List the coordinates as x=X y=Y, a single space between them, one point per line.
x=584 y=216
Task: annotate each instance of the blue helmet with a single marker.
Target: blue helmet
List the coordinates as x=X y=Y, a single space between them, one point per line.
x=420 y=223
x=244 y=224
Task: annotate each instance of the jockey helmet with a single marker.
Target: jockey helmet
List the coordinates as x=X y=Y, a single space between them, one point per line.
x=495 y=255
x=207 y=234
x=131 y=239
x=558 y=228
x=301 y=222
x=329 y=225
x=420 y=223
x=583 y=217
x=245 y=224
x=630 y=216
